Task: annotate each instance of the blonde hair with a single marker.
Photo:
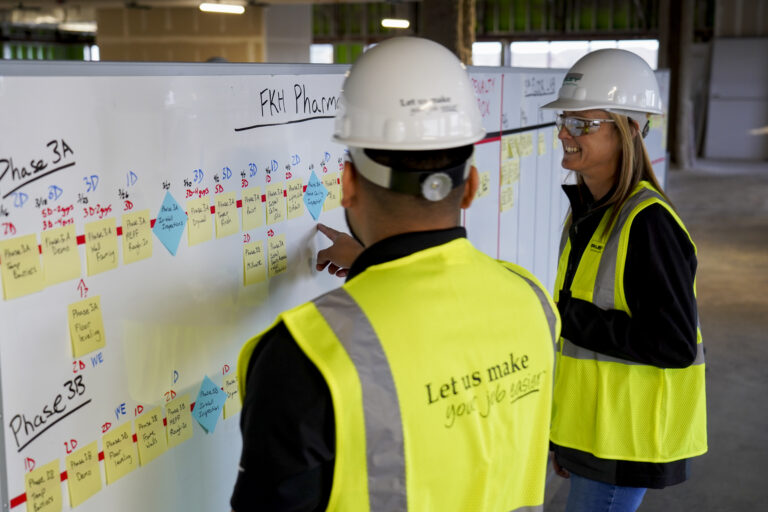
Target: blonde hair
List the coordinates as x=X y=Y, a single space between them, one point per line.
x=634 y=167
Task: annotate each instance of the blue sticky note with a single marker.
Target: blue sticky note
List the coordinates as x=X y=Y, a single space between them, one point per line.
x=315 y=196
x=170 y=223
x=209 y=404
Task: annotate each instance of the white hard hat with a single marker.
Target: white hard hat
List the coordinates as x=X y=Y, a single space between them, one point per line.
x=408 y=93
x=610 y=79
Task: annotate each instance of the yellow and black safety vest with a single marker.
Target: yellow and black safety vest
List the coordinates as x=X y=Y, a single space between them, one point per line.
x=614 y=408
x=439 y=366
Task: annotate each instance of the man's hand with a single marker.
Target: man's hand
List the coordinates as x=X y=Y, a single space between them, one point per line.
x=339 y=256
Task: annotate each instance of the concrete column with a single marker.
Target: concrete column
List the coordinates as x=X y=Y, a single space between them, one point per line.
x=450 y=23
x=686 y=140
x=289 y=32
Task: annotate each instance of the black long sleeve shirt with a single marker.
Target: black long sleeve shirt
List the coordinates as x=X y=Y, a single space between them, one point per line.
x=662 y=331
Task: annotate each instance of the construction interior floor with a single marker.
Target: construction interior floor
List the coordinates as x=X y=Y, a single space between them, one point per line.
x=725 y=207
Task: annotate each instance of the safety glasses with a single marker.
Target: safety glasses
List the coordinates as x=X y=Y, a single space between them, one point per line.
x=577 y=126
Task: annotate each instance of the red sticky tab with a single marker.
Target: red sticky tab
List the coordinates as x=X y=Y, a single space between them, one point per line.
x=213 y=209
x=239 y=203
x=263 y=198
x=80 y=239
x=119 y=230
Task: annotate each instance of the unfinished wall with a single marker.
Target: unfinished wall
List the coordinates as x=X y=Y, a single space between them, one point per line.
x=180 y=34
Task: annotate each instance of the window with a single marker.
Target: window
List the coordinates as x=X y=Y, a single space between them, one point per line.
x=563 y=54
x=486 y=54
x=321 y=54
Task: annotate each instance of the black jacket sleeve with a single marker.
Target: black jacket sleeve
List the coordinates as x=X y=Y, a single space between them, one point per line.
x=658 y=284
x=288 y=425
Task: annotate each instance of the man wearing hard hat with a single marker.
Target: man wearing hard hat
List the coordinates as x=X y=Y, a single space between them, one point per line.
x=424 y=382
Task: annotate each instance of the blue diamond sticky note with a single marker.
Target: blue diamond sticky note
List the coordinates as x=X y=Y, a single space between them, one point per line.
x=209 y=404
x=170 y=223
x=315 y=195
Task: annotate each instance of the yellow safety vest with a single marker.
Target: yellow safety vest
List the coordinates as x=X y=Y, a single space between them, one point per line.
x=614 y=408
x=439 y=365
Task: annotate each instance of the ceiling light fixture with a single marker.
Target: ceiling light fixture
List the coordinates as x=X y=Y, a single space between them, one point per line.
x=222 y=8
x=395 y=23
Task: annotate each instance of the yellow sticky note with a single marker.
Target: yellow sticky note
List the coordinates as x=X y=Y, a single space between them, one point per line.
x=119 y=453
x=83 y=474
x=43 y=488
x=295 y=190
x=507 y=151
x=507 y=198
x=179 y=421
x=227 y=222
x=253 y=263
x=61 y=259
x=137 y=236
x=86 y=326
x=275 y=203
x=542 y=144
x=331 y=182
x=198 y=221
x=20 y=266
x=485 y=185
x=555 y=138
x=252 y=209
x=101 y=246
x=525 y=144
x=233 y=404
x=514 y=146
x=277 y=255
x=150 y=435
x=510 y=171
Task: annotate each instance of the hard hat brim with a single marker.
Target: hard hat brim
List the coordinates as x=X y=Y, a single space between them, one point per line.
x=418 y=145
x=579 y=105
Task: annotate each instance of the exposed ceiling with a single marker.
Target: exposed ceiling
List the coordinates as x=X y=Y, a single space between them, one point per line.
x=56 y=12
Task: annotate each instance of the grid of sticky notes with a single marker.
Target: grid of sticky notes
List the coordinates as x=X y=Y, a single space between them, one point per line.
x=124 y=450
x=513 y=147
x=27 y=268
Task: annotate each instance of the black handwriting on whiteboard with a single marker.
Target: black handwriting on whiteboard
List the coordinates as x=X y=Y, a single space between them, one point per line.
x=59 y=156
x=28 y=428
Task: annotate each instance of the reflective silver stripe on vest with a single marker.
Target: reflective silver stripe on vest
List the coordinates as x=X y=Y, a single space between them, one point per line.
x=605 y=283
x=576 y=352
x=548 y=312
x=533 y=508
x=385 y=451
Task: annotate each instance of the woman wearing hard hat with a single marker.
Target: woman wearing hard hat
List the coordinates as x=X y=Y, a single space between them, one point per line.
x=629 y=405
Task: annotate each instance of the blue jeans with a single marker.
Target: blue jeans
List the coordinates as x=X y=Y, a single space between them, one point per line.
x=591 y=496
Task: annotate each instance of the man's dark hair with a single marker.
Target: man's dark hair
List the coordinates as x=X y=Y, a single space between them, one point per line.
x=428 y=160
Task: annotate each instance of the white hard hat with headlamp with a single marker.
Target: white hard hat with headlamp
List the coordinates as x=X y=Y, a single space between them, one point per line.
x=610 y=79
x=408 y=94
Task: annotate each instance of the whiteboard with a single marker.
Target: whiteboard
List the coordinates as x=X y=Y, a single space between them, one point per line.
x=97 y=141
